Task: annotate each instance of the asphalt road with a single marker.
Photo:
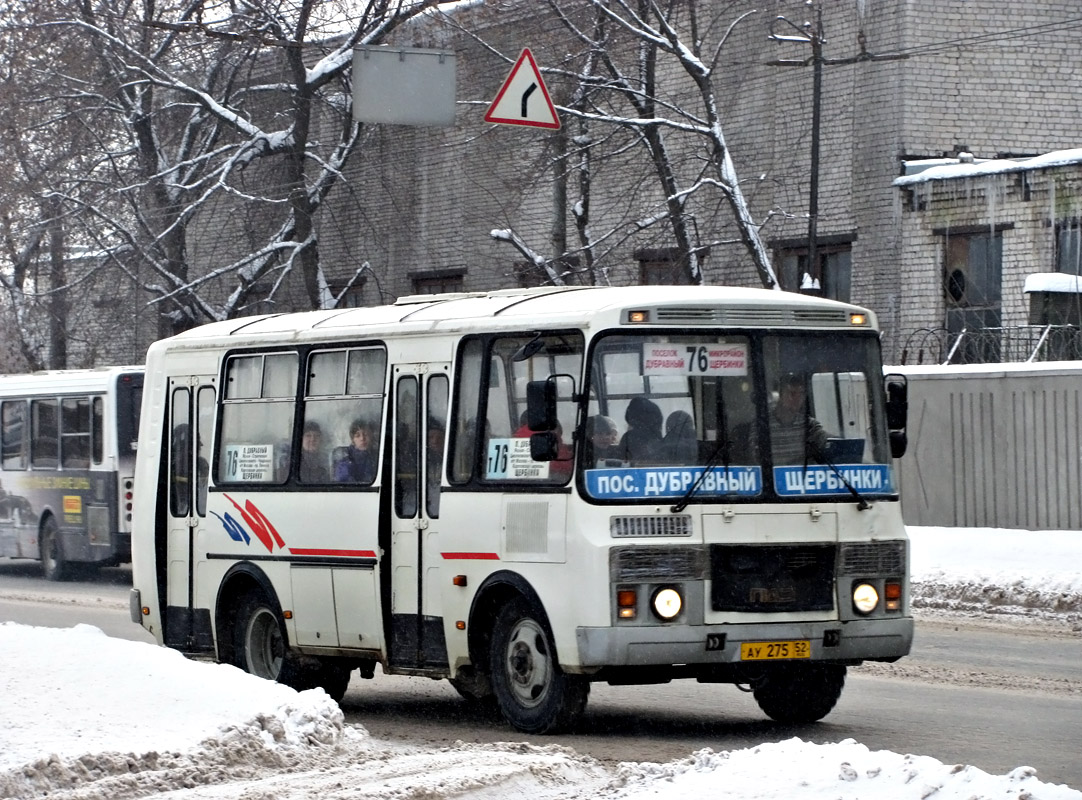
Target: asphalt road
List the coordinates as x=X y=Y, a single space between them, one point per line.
x=995 y=696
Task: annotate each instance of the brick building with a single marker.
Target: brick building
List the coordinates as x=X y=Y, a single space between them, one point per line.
x=901 y=82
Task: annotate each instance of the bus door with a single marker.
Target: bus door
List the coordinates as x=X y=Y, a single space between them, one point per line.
x=191 y=425
x=420 y=420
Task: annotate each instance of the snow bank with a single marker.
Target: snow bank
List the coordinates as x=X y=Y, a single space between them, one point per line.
x=992 y=571
x=846 y=771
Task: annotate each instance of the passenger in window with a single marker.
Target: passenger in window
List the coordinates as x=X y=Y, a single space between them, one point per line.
x=641 y=444
x=359 y=463
x=313 y=459
x=681 y=442
x=795 y=436
x=601 y=440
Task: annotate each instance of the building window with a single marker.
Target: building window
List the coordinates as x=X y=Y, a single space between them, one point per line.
x=439 y=281
x=972 y=278
x=1069 y=247
x=353 y=297
x=664 y=266
x=832 y=279
x=972 y=269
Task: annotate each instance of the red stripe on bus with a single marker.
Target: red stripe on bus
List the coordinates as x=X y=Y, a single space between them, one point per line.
x=312 y=551
x=467 y=556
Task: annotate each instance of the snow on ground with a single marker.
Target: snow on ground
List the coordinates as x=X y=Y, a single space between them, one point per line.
x=165 y=726
x=995 y=572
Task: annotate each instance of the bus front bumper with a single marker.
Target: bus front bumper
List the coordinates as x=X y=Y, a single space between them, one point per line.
x=659 y=645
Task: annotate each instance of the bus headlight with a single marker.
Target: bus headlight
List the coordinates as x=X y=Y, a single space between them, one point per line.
x=667 y=603
x=865 y=598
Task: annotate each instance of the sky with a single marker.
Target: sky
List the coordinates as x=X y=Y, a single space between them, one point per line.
x=242 y=737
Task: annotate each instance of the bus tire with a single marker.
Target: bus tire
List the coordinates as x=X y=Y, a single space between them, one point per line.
x=532 y=692
x=53 y=565
x=800 y=693
x=333 y=678
x=260 y=646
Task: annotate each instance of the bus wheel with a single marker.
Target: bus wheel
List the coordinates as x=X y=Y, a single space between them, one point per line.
x=333 y=678
x=531 y=690
x=259 y=643
x=798 y=694
x=53 y=564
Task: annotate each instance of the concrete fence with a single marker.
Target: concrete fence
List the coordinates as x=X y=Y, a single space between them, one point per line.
x=994 y=445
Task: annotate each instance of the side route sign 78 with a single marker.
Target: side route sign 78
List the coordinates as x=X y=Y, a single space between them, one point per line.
x=523 y=98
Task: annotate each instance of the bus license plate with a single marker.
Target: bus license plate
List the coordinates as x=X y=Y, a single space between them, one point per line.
x=771 y=651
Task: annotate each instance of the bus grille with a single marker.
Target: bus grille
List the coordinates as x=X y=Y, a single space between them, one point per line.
x=772 y=577
x=628 y=564
x=873 y=558
x=672 y=525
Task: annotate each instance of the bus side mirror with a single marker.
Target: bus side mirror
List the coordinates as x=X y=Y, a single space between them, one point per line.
x=541 y=405
x=898 y=444
x=897 y=387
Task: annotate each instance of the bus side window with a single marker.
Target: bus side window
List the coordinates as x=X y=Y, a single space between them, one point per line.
x=97 y=433
x=75 y=433
x=258 y=408
x=344 y=403
x=44 y=434
x=204 y=429
x=464 y=441
x=14 y=434
x=435 y=425
x=406 y=473
x=180 y=454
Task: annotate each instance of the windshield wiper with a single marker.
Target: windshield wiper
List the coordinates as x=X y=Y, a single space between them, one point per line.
x=720 y=452
x=723 y=451
x=822 y=458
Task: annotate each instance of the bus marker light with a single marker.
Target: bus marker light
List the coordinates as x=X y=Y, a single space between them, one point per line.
x=893 y=594
x=287 y=614
x=638 y=316
x=459 y=580
x=460 y=624
x=146 y=611
x=858 y=319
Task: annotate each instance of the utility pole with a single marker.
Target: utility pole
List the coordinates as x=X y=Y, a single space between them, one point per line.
x=808 y=33
x=811 y=32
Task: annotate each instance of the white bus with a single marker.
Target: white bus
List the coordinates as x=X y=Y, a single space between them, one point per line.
x=67 y=466
x=415 y=486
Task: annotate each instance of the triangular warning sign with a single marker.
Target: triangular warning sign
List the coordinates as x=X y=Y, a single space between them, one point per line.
x=524 y=99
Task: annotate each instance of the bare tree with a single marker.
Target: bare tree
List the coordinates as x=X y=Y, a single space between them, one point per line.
x=44 y=143
x=218 y=125
x=632 y=53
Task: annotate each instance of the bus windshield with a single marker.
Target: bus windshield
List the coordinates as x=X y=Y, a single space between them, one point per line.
x=749 y=415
